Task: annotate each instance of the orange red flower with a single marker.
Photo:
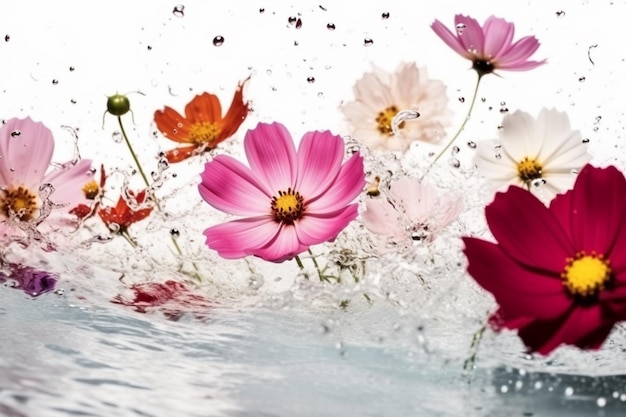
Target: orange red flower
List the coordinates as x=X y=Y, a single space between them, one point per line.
x=203 y=127
x=122 y=214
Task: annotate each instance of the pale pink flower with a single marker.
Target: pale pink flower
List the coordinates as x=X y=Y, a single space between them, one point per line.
x=410 y=211
x=290 y=199
x=26 y=149
x=491 y=46
x=379 y=96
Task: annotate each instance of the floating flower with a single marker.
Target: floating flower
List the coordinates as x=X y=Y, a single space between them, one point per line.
x=291 y=200
x=27 y=193
x=203 y=127
x=491 y=46
x=541 y=154
x=558 y=273
x=120 y=217
x=30 y=280
x=411 y=211
x=380 y=96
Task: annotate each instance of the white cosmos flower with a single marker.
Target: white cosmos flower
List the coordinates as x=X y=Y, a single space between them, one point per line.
x=542 y=154
x=379 y=96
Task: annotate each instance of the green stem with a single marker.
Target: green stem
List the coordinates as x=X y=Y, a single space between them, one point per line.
x=468 y=365
x=317 y=267
x=458 y=132
x=145 y=180
x=299 y=262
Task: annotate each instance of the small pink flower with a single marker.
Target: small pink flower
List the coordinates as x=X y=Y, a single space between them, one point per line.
x=26 y=149
x=411 y=212
x=491 y=46
x=290 y=199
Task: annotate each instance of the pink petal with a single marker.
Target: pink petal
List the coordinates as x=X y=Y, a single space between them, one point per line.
x=25 y=158
x=346 y=187
x=68 y=183
x=527 y=231
x=498 y=36
x=471 y=37
x=381 y=218
x=319 y=160
x=284 y=246
x=272 y=156
x=518 y=53
x=598 y=208
x=450 y=39
x=415 y=199
x=231 y=187
x=520 y=292
x=524 y=66
x=240 y=238
x=314 y=229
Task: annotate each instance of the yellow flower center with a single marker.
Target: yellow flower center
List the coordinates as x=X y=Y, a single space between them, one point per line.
x=20 y=201
x=91 y=190
x=528 y=170
x=384 y=120
x=586 y=275
x=288 y=206
x=204 y=132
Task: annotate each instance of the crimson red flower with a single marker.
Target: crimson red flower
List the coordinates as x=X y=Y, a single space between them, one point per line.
x=203 y=126
x=558 y=273
x=122 y=214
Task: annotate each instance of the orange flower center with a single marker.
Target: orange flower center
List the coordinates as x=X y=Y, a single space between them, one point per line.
x=204 y=132
x=91 y=190
x=528 y=170
x=288 y=206
x=585 y=275
x=21 y=202
x=384 y=120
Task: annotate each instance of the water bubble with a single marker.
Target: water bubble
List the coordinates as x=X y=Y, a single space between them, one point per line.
x=310 y=80
x=368 y=41
x=16 y=133
x=462 y=99
x=569 y=391
x=597 y=120
x=538 y=385
x=330 y=26
x=174 y=232
x=149 y=47
x=268 y=72
x=292 y=20
x=218 y=40
x=117 y=136
x=504 y=110
x=60 y=292
x=582 y=79
x=471 y=144
x=179 y=10
x=55 y=81
x=601 y=402
x=560 y=13
x=460 y=28
x=72 y=68
x=504 y=389
x=262 y=10
x=615 y=394
x=400 y=118
x=385 y=15
x=256 y=281
x=503 y=103
x=454 y=163
x=622 y=397
x=455 y=150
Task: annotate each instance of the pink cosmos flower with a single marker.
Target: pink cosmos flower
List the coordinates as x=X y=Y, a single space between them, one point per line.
x=290 y=199
x=491 y=46
x=27 y=193
x=558 y=273
x=411 y=212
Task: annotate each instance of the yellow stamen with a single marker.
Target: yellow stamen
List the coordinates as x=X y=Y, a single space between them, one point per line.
x=91 y=190
x=384 y=120
x=586 y=275
x=204 y=132
x=288 y=206
x=20 y=201
x=528 y=170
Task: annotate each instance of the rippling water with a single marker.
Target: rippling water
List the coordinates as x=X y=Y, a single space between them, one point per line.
x=61 y=359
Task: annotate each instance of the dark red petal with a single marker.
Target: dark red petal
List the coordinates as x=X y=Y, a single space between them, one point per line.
x=527 y=231
x=520 y=292
x=561 y=209
x=615 y=299
x=598 y=204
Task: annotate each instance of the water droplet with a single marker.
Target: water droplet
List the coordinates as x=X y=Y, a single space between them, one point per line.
x=615 y=394
x=504 y=389
x=298 y=23
x=498 y=156
x=292 y=20
x=595 y=129
x=310 y=80
x=149 y=47
x=262 y=10
x=454 y=163
x=483 y=99
x=538 y=385
x=60 y=291
x=256 y=281
x=597 y=120
x=504 y=110
x=574 y=171
x=601 y=402
x=460 y=28
x=582 y=79
x=16 y=133
x=117 y=136
x=323 y=8
x=503 y=103
x=268 y=72
x=368 y=41
x=455 y=150
x=218 y=40
x=462 y=99
x=560 y=13
x=537 y=183
x=7 y=38
x=385 y=15
x=55 y=81
x=174 y=232
x=471 y=144
x=622 y=397
x=569 y=391
x=72 y=68
x=73 y=101
x=179 y=10
x=330 y=26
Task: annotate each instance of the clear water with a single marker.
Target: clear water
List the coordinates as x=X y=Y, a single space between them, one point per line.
x=273 y=344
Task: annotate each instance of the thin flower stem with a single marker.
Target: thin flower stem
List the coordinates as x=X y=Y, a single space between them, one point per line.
x=158 y=206
x=299 y=262
x=458 y=132
x=317 y=267
x=468 y=365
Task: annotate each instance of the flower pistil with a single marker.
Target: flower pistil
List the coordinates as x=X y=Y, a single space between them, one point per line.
x=288 y=206
x=586 y=275
x=20 y=201
x=384 y=120
x=204 y=132
x=529 y=170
